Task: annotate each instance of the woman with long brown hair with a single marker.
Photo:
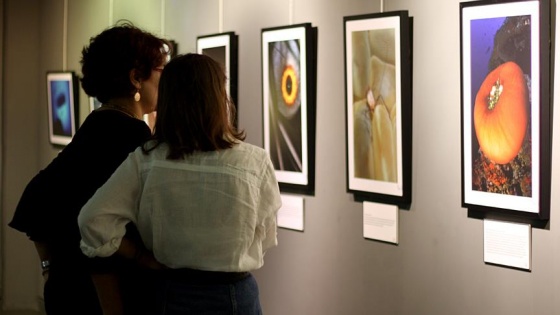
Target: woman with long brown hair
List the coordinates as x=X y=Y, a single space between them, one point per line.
x=204 y=201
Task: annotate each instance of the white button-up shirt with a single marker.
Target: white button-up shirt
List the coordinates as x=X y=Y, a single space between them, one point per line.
x=211 y=211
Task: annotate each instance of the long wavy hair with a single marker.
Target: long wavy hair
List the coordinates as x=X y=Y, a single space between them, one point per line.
x=194 y=112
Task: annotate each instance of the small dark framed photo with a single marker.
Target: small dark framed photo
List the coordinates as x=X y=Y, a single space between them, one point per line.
x=223 y=48
x=62 y=105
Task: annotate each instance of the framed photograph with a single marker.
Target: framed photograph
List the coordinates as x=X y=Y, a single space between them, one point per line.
x=378 y=73
x=289 y=76
x=505 y=107
x=62 y=93
x=223 y=48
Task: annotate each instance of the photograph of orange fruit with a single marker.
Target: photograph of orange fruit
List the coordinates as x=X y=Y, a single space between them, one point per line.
x=501 y=77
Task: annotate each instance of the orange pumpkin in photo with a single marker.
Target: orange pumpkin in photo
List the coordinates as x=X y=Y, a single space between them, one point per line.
x=500 y=113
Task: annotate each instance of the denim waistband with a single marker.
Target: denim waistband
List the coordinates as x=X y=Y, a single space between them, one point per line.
x=195 y=276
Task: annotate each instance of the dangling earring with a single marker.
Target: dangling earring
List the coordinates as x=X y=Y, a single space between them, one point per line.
x=137 y=96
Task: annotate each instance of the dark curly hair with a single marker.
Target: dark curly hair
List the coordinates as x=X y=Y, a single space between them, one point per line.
x=194 y=110
x=111 y=55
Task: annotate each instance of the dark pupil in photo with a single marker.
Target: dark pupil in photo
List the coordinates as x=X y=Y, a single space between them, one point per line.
x=289 y=85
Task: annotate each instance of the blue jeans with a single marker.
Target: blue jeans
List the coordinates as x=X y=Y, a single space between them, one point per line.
x=179 y=297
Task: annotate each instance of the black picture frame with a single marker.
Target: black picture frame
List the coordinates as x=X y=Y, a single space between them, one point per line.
x=62 y=106
x=224 y=48
x=506 y=51
x=289 y=75
x=378 y=77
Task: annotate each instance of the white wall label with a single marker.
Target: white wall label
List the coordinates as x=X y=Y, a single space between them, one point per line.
x=290 y=215
x=507 y=244
x=381 y=222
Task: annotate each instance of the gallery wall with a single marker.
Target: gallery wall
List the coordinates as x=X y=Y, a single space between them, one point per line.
x=20 y=146
x=1 y=86
x=437 y=268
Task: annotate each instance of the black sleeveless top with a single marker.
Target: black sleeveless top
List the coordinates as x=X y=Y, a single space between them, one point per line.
x=50 y=204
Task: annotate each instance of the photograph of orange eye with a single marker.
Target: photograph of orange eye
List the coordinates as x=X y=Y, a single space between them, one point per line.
x=289 y=85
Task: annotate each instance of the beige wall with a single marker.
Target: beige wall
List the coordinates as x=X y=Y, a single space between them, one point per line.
x=20 y=108
x=329 y=269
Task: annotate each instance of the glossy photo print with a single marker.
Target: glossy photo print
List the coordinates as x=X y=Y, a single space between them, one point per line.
x=286 y=102
x=374 y=105
x=501 y=105
x=216 y=53
x=285 y=113
x=378 y=105
x=501 y=142
x=61 y=90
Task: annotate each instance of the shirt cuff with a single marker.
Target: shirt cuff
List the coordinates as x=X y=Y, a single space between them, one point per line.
x=104 y=250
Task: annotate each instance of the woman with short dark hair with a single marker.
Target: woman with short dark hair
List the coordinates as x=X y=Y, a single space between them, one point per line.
x=121 y=67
